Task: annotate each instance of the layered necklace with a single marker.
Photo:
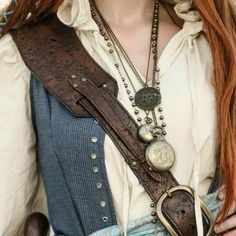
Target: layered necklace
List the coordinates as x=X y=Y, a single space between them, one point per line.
x=160 y=155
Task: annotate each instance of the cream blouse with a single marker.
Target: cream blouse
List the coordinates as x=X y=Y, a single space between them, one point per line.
x=188 y=101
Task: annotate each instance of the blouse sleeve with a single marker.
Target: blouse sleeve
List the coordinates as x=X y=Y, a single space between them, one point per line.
x=21 y=191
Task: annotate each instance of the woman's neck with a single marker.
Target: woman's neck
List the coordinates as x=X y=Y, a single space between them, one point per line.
x=125 y=12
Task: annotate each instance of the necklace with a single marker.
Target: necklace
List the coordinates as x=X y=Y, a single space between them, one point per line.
x=160 y=155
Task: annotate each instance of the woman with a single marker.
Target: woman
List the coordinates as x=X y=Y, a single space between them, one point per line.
x=90 y=188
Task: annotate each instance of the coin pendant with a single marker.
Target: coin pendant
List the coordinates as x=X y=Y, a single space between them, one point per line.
x=160 y=155
x=145 y=133
x=147 y=98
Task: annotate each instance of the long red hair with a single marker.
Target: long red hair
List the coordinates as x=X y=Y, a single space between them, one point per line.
x=219 y=18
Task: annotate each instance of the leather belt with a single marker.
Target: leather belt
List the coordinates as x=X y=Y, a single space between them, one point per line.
x=55 y=55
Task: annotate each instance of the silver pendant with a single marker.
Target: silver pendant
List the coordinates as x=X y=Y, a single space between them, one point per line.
x=147 y=98
x=145 y=133
x=160 y=155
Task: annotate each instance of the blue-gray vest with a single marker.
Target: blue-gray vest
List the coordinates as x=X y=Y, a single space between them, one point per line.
x=71 y=159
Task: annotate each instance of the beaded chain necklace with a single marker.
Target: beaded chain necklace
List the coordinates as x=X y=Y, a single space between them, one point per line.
x=160 y=155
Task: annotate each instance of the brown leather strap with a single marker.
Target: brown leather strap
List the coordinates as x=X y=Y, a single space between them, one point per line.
x=57 y=58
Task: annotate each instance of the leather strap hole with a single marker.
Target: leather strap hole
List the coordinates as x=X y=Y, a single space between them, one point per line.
x=53 y=40
x=183 y=212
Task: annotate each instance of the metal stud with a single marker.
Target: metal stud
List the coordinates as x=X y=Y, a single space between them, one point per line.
x=75 y=85
x=95 y=169
x=99 y=185
x=94 y=139
x=104 y=85
x=84 y=79
x=94 y=156
x=73 y=76
x=134 y=163
x=103 y=204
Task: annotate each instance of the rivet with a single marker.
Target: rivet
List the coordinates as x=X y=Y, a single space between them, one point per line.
x=84 y=79
x=105 y=218
x=73 y=76
x=134 y=163
x=94 y=156
x=95 y=169
x=99 y=185
x=75 y=85
x=103 y=204
x=104 y=85
x=94 y=139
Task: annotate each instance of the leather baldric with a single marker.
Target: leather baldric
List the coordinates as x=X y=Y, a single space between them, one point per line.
x=55 y=55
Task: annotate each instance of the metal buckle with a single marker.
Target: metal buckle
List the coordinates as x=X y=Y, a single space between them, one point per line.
x=187 y=189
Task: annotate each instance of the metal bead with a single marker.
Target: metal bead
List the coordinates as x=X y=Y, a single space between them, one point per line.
x=104 y=85
x=73 y=76
x=95 y=169
x=103 y=33
x=105 y=219
x=150 y=169
x=126 y=85
x=139 y=119
x=111 y=51
x=94 y=156
x=128 y=91
x=154 y=221
x=161 y=117
x=136 y=112
x=163 y=125
x=84 y=79
x=106 y=38
x=153 y=213
x=116 y=65
x=99 y=185
x=94 y=139
x=109 y=44
x=123 y=79
x=164 y=133
x=160 y=109
x=131 y=98
x=103 y=204
x=75 y=85
x=133 y=105
x=152 y=204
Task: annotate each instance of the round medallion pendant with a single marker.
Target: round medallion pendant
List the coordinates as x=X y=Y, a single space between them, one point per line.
x=145 y=133
x=160 y=155
x=147 y=98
